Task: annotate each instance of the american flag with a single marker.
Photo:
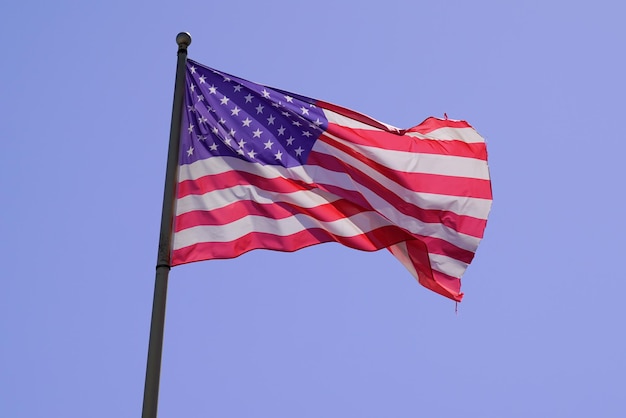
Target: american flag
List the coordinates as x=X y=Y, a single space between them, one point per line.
x=260 y=167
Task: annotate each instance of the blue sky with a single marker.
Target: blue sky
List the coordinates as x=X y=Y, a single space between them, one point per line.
x=86 y=95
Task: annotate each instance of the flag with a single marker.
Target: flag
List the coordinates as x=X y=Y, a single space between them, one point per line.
x=260 y=167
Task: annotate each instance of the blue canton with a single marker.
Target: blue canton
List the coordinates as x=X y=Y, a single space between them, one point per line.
x=228 y=116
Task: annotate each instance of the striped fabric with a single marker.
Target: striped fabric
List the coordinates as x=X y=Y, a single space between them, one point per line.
x=265 y=168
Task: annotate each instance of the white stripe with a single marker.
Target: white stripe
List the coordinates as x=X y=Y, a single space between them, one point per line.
x=219 y=165
x=346 y=227
x=221 y=198
x=411 y=162
x=467 y=135
x=447 y=265
x=341 y=120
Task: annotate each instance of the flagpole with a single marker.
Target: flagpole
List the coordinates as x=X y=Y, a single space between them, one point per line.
x=155 y=346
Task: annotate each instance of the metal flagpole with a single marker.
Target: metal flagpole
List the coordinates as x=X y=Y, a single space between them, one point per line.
x=155 y=346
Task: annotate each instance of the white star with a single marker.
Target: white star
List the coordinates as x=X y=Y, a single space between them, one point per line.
x=290 y=140
x=281 y=131
x=279 y=104
x=203 y=119
x=265 y=94
x=295 y=122
x=270 y=120
x=251 y=154
x=226 y=79
x=257 y=133
x=227 y=141
x=240 y=151
x=317 y=122
x=305 y=111
x=268 y=144
x=191 y=109
x=259 y=109
x=246 y=122
x=248 y=98
x=299 y=151
x=224 y=100
x=235 y=111
x=191 y=126
x=213 y=147
x=306 y=133
x=212 y=89
x=215 y=130
x=200 y=98
x=242 y=143
x=232 y=133
x=201 y=137
x=190 y=152
x=192 y=87
x=202 y=79
x=289 y=99
x=237 y=87
x=193 y=69
x=222 y=121
x=278 y=155
x=285 y=113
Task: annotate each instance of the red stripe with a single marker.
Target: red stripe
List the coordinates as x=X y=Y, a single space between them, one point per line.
x=443 y=247
x=446 y=285
x=432 y=124
x=389 y=141
x=228 y=179
x=328 y=212
x=443 y=284
x=370 y=241
x=462 y=223
x=421 y=182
